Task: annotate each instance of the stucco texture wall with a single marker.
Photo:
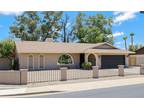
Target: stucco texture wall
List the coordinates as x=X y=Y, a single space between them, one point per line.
x=50 y=61
x=139 y=59
x=136 y=60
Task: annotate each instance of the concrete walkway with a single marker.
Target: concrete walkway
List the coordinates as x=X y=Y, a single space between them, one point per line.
x=79 y=86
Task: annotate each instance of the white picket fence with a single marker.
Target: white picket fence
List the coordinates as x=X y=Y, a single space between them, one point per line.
x=43 y=76
x=72 y=74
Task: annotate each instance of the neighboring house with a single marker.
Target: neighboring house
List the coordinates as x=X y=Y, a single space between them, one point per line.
x=138 y=58
x=36 y=55
x=140 y=51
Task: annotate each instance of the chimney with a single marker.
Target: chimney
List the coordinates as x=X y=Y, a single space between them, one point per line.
x=49 y=40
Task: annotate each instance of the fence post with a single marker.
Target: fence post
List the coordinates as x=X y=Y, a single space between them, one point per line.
x=121 y=70
x=63 y=73
x=142 y=69
x=95 y=71
x=23 y=76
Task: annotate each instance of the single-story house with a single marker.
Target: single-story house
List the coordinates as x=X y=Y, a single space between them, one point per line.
x=36 y=55
x=138 y=58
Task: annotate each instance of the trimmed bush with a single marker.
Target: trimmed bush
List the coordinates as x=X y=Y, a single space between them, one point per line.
x=87 y=65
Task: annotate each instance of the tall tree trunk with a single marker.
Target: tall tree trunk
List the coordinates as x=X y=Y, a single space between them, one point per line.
x=125 y=45
x=132 y=41
x=65 y=37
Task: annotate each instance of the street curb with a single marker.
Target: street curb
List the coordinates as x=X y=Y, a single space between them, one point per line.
x=61 y=89
x=32 y=93
x=12 y=91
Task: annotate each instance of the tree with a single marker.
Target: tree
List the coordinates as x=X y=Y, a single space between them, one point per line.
x=64 y=27
x=125 y=41
x=138 y=46
x=26 y=26
x=132 y=48
x=132 y=40
x=135 y=47
x=93 y=29
x=67 y=30
x=31 y=26
x=51 y=25
x=7 y=50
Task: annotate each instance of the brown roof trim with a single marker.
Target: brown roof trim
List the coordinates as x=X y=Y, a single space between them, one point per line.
x=139 y=49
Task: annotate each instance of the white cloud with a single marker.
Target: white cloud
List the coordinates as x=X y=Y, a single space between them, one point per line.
x=116 y=12
x=11 y=12
x=123 y=16
x=119 y=44
x=118 y=34
x=68 y=24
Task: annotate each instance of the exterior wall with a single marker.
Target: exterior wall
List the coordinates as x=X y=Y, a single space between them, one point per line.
x=4 y=64
x=136 y=60
x=13 y=77
x=139 y=59
x=50 y=61
x=132 y=60
x=9 y=77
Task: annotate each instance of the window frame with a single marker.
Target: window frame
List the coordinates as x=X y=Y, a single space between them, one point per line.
x=39 y=61
x=66 y=64
x=29 y=63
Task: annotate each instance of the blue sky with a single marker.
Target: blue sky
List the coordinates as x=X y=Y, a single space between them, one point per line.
x=124 y=24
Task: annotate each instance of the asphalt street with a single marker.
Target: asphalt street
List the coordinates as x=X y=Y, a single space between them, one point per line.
x=130 y=91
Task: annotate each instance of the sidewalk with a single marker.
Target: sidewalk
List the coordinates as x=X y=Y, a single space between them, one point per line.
x=77 y=85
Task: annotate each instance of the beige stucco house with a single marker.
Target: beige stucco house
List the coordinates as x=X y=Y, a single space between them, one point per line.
x=36 y=55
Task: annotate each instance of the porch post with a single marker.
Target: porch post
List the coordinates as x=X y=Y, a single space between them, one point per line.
x=97 y=59
x=86 y=57
x=126 y=60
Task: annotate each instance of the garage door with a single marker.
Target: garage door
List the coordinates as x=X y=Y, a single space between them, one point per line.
x=112 y=61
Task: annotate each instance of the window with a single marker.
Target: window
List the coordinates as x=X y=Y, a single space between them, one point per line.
x=65 y=59
x=30 y=62
x=41 y=62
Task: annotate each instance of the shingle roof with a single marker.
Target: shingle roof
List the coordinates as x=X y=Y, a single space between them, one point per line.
x=140 y=51
x=51 y=47
x=54 y=47
x=108 y=51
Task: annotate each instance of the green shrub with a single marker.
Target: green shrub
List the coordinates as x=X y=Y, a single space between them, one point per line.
x=87 y=65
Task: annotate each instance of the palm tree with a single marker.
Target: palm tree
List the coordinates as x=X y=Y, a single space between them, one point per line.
x=125 y=40
x=132 y=40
